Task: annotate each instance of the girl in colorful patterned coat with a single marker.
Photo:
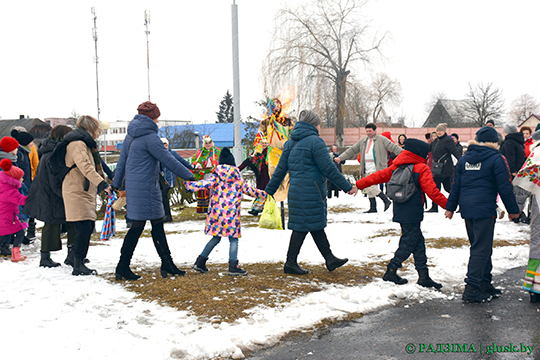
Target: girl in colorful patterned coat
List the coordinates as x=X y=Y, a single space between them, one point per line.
x=204 y=162
x=225 y=187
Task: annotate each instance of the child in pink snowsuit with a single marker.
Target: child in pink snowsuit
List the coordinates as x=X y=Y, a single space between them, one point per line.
x=226 y=187
x=10 y=199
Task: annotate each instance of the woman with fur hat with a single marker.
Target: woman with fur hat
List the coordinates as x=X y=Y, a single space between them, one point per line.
x=226 y=187
x=410 y=213
x=10 y=200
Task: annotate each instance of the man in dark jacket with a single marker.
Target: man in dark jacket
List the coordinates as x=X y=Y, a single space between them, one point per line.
x=442 y=149
x=481 y=174
x=306 y=159
x=410 y=213
x=513 y=149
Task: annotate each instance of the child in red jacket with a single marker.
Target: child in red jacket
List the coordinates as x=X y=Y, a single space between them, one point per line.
x=410 y=213
x=10 y=199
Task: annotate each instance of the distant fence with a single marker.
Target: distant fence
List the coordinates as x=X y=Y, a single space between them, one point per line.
x=352 y=135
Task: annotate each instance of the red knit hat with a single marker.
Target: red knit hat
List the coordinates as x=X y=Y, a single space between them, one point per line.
x=149 y=109
x=8 y=144
x=11 y=170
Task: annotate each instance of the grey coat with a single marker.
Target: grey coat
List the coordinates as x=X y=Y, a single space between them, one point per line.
x=381 y=145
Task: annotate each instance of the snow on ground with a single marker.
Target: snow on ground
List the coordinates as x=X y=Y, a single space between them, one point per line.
x=91 y=318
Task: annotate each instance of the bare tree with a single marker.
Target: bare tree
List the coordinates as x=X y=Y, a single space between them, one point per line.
x=321 y=39
x=483 y=103
x=385 y=91
x=523 y=107
x=435 y=97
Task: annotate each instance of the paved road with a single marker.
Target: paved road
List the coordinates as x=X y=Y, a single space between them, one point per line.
x=510 y=322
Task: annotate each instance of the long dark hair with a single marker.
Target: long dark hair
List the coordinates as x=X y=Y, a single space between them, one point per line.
x=59 y=131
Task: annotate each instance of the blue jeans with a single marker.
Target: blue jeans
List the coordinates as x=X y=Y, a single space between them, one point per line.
x=233 y=248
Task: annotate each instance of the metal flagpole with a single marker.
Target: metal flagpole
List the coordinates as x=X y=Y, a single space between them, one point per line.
x=146 y=24
x=237 y=150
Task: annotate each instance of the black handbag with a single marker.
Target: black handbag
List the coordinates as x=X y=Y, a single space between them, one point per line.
x=437 y=166
x=163 y=184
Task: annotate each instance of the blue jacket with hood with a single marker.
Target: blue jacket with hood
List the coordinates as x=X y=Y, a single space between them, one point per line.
x=481 y=174
x=140 y=169
x=306 y=158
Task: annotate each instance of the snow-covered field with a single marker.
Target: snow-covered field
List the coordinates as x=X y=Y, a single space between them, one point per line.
x=49 y=312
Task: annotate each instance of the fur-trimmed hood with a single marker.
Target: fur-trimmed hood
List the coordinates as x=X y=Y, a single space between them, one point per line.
x=492 y=145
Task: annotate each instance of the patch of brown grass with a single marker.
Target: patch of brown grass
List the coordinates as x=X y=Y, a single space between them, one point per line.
x=384 y=233
x=217 y=297
x=447 y=242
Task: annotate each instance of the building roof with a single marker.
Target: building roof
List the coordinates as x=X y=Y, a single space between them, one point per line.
x=530 y=120
x=450 y=112
x=34 y=126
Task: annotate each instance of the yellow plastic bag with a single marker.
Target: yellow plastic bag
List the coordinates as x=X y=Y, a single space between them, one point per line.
x=271 y=216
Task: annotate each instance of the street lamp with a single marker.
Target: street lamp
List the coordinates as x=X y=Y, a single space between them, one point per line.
x=196 y=134
x=105 y=126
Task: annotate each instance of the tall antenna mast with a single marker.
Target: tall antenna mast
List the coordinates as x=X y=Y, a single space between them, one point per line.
x=146 y=24
x=94 y=34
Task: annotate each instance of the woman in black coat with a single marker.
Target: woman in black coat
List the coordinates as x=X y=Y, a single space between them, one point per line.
x=45 y=200
x=442 y=149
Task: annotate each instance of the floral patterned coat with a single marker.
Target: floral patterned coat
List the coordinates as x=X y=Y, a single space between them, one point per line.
x=208 y=159
x=225 y=187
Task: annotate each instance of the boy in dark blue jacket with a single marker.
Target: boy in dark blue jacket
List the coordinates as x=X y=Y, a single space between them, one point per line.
x=481 y=174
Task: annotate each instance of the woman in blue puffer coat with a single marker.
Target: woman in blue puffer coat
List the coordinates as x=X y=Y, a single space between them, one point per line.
x=138 y=164
x=306 y=158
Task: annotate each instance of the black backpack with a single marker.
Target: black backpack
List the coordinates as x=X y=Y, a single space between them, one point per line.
x=57 y=161
x=402 y=186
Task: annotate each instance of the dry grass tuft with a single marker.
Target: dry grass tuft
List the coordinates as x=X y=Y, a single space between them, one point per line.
x=447 y=242
x=217 y=297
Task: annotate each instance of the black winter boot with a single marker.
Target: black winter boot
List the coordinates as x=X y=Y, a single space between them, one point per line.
x=80 y=269
x=488 y=288
x=385 y=199
x=434 y=208
x=372 y=206
x=46 y=260
x=392 y=276
x=235 y=270
x=126 y=253
x=31 y=231
x=160 y=242
x=291 y=265
x=535 y=298
x=332 y=262
x=70 y=258
x=472 y=294
x=200 y=264
x=425 y=281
